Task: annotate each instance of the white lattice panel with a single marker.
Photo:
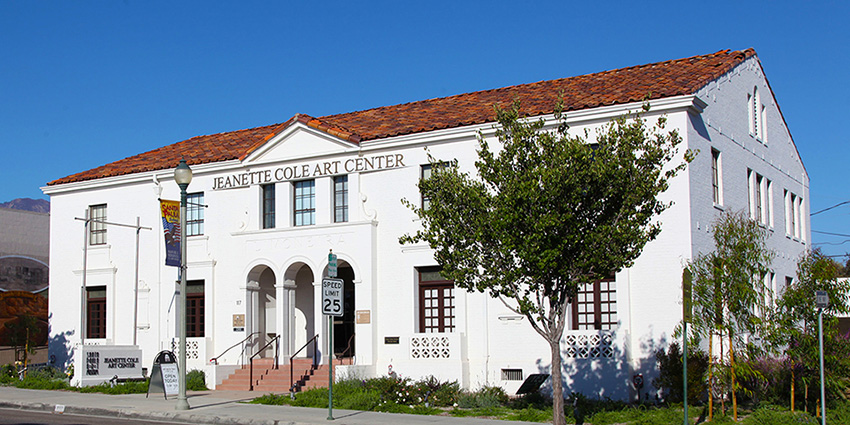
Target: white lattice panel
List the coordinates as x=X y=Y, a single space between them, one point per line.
x=432 y=347
x=589 y=346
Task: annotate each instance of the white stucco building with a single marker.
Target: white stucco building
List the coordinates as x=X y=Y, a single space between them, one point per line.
x=269 y=203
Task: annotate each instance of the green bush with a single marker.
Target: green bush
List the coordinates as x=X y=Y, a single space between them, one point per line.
x=772 y=415
x=196 y=380
x=670 y=371
x=272 y=399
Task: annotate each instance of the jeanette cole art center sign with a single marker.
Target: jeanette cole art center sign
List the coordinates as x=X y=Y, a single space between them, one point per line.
x=311 y=170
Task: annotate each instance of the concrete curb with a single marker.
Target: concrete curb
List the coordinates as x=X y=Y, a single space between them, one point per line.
x=134 y=414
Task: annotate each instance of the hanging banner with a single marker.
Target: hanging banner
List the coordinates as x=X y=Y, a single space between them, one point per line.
x=171 y=227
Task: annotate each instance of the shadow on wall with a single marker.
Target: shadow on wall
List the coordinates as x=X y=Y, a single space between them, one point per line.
x=60 y=349
x=605 y=377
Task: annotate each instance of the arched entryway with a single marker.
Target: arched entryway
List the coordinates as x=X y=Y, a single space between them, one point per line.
x=299 y=279
x=261 y=300
x=344 y=326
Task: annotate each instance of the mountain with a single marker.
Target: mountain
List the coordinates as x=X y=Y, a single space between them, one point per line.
x=28 y=204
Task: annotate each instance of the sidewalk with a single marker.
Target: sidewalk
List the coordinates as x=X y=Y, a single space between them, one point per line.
x=210 y=407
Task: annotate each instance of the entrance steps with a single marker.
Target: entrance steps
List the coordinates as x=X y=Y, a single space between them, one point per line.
x=267 y=379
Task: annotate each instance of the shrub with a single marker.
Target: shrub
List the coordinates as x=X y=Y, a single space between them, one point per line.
x=273 y=399
x=670 y=377
x=196 y=380
x=772 y=415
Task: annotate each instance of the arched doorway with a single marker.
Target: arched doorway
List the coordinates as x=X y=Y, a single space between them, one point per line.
x=344 y=326
x=262 y=309
x=302 y=326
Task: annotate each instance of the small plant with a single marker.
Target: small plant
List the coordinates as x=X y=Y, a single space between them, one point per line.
x=196 y=380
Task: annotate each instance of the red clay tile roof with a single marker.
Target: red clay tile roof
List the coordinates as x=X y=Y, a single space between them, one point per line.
x=619 y=86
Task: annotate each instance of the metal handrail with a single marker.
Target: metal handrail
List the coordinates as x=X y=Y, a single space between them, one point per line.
x=251 y=372
x=347 y=349
x=215 y=359
x=315 y=341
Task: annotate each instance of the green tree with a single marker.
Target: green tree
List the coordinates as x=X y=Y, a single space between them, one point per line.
x=546 y=213
x=729 y=292
x=797 y=323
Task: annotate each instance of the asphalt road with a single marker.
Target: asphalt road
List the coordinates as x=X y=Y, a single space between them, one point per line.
x=29 y=417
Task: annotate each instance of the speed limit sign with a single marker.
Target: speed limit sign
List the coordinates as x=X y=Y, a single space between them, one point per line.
x=332 y=297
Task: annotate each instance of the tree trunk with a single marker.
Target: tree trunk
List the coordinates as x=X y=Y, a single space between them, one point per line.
x=558 y=417
x=732 y=372
x=710 y=375
x=792 y=389
x=806 y=397
x=723 y=396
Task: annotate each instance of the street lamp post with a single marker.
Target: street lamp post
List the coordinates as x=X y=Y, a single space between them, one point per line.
x=183 y=176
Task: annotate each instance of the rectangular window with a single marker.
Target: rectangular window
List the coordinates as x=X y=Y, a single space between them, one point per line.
x=268 y=206
x=436 y=301
x=97 y=225
x=195 y=214
x=716 y=177
x=96 y=312
x=595 y=305
x=760 y=198
x=793 y=206
x=305 y=203
x=340 y=199
x=425 y=173
x=195 y=309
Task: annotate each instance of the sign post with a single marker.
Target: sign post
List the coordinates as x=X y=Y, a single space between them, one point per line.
x=686 y=317
x=822 y=302
x=331 y=306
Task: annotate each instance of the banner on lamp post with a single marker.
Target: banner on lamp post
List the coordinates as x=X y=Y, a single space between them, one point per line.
x=173 y=234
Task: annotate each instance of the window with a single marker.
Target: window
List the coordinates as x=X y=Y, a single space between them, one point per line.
x=716 y=177
x=195 y=309
x=268 y=206
x=305 y=203
x=195 y=214
x=760 y=198
x=595 y=305
x=340 y=199
x=757 y=115
x=96 y=312
x=426 y=172
x=436 y=301
x=97 y=225
x=793 y=208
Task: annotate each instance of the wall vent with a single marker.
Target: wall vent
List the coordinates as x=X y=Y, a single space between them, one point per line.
x=512 y=374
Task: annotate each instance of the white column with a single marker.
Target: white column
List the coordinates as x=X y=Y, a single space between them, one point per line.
x=252 y=311
x=286 y=298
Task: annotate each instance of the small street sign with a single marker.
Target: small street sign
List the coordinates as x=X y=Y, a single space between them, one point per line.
x=821 y=299
x=332 y=297
x=332 y=265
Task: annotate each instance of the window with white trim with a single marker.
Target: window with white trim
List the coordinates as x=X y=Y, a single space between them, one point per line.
x=195 y=214
x=305 y=203
x=97 y=224
x=268 y=206
x=340 y=199
x=793 y=215
x=756 y=116
x=716 y=177
x=760 y=198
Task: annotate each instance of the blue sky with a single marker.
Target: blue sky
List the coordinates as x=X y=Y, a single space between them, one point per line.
x=83 y=84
